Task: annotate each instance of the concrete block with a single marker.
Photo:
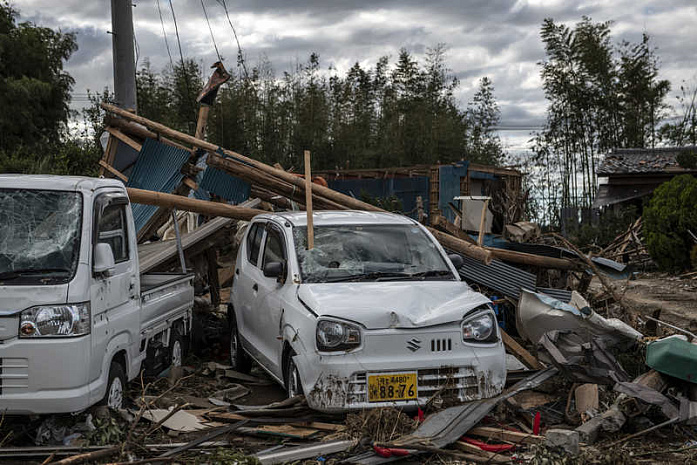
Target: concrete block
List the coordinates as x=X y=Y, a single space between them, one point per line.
x=563 y=438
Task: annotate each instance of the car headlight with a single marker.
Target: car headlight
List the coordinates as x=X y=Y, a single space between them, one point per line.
x=335 y=335
x=479 y=326
x=55 y=321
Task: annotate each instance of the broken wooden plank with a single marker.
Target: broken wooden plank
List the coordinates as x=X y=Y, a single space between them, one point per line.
x=124 y=138
x=109 y=153
x=501 y=434
x=113 y=171
x=490 y=457
x=520 y=351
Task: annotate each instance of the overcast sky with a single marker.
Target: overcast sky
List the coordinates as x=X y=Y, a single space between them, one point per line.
x=495 y=38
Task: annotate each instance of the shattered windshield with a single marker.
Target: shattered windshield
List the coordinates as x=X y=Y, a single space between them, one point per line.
x=369 y=253
x=39 y=236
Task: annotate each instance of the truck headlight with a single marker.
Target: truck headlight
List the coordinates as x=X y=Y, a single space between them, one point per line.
x=479 y=326
x=335 y=335
x=55 y=321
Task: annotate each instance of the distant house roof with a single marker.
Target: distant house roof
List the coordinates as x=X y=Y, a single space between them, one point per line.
x=644 y=161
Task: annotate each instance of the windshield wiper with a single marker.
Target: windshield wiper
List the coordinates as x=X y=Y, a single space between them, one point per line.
x=13 y=274
x=372 y=276
x=429 y=273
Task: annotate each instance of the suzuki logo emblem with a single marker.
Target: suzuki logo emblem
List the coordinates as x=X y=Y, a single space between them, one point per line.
x=414 y=344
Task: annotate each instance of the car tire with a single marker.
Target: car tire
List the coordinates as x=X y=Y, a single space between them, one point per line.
x=177 y=348
x=239 y=360
x=291 y=376
x=116 y=385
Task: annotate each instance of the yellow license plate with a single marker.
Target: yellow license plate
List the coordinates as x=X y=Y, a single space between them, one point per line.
x=393 y=386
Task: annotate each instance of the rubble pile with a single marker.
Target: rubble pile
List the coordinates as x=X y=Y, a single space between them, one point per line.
x=572 y=395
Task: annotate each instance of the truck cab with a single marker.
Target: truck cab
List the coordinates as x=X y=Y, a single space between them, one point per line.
x=77 y=319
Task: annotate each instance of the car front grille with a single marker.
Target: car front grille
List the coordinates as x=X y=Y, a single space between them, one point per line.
x=14 y=375
x=441 y=345
x=451 y=384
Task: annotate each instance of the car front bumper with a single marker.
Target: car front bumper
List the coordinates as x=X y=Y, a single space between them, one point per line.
x=446 y=368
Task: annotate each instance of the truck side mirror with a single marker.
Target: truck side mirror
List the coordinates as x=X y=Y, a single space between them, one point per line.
x=103 y=259
x=456 y=259
x=274 y=270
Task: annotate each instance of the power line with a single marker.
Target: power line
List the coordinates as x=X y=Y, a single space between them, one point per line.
x=211 y=31
x=181 y=55
x=240 y=57
x=164 y=34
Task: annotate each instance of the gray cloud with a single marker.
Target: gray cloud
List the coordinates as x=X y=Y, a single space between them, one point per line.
x=495 y=38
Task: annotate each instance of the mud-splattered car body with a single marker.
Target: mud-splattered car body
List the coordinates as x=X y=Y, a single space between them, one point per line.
x=374 y=315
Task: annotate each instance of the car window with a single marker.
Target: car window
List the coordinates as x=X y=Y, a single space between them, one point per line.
x=274 y=251
x=113 y=231
x=254 y=242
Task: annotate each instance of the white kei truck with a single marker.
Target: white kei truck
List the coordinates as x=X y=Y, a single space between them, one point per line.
x=77 y=319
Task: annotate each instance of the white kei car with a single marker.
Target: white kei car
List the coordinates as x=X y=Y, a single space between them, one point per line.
x=375 y=314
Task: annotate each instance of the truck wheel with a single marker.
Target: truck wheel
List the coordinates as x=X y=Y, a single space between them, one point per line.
x=176 y=348
x=113 y=398
x=292 y=378
x=239 y=360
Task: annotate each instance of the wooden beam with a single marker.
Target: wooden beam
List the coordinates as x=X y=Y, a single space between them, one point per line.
x=534 y=260
x=288 y=177
x=113 y=170
x=137 y=130
x=124 y=138
x=482 y=222
x=109 y=153
x=202 y=121
x=179 y=202
x=443 y=224
x=460 y=246
x=501 y=434
x=519 y=351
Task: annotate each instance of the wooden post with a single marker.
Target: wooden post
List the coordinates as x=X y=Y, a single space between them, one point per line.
x=109 y=153
x=482 y=222
x=308 y=201
x=192 y=205
x=202 y=121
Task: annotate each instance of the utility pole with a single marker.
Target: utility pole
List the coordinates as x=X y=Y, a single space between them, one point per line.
x=123 y=54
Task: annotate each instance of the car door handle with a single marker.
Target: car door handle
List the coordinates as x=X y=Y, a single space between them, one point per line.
x=255 y=287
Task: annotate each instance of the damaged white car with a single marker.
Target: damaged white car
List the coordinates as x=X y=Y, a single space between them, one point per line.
x=375 y=314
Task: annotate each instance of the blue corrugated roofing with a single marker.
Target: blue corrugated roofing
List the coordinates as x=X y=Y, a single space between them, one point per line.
x=449 y=186
x=224 y=185
x=157 y=169
x=405 y=189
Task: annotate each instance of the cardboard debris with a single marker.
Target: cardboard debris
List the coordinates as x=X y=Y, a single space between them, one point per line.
x=182 y=421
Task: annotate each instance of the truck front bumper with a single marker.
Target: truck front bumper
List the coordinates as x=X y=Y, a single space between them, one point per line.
x=44 y=376
x=452 y=370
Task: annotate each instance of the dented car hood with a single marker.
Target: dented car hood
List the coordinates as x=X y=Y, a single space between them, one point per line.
x=401 y=304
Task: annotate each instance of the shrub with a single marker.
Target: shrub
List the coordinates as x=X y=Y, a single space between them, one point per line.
x=687 y=160
x=670 y=213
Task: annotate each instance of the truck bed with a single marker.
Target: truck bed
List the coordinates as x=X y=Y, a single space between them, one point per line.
x=164 y=295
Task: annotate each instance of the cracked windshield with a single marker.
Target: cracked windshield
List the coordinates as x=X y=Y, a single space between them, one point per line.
x=369 y=253
x=39 y=235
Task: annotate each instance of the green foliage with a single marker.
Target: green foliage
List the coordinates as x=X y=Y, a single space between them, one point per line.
x=391 y=203
x=228 y=457
x=34 y=89
x=34 y=96
x=606 y=229
x=687 y=159
x=600 y=96
x=393 y=114
x=683 y=131
x=670 y=213
x=108 y=431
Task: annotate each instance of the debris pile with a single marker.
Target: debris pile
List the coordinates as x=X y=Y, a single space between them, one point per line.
x=581 y=385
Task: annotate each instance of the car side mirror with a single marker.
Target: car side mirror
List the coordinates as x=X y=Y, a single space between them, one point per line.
x=456 y=259
x=274 y=270
x=103 y=259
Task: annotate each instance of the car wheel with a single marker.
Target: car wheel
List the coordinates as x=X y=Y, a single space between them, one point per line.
x=239 y=360
x=113 y=398
x=292 y=377
x=176 y=348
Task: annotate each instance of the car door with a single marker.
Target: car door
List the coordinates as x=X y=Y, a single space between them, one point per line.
x=267 y=310
x=115 y=296
x=245 y=287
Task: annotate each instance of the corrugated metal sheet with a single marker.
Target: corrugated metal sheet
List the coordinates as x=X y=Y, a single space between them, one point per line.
x=157 y=169
x=500 y=277
x=559 y=294
x=224 y=185
x=449 y=186
x=405 y=189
